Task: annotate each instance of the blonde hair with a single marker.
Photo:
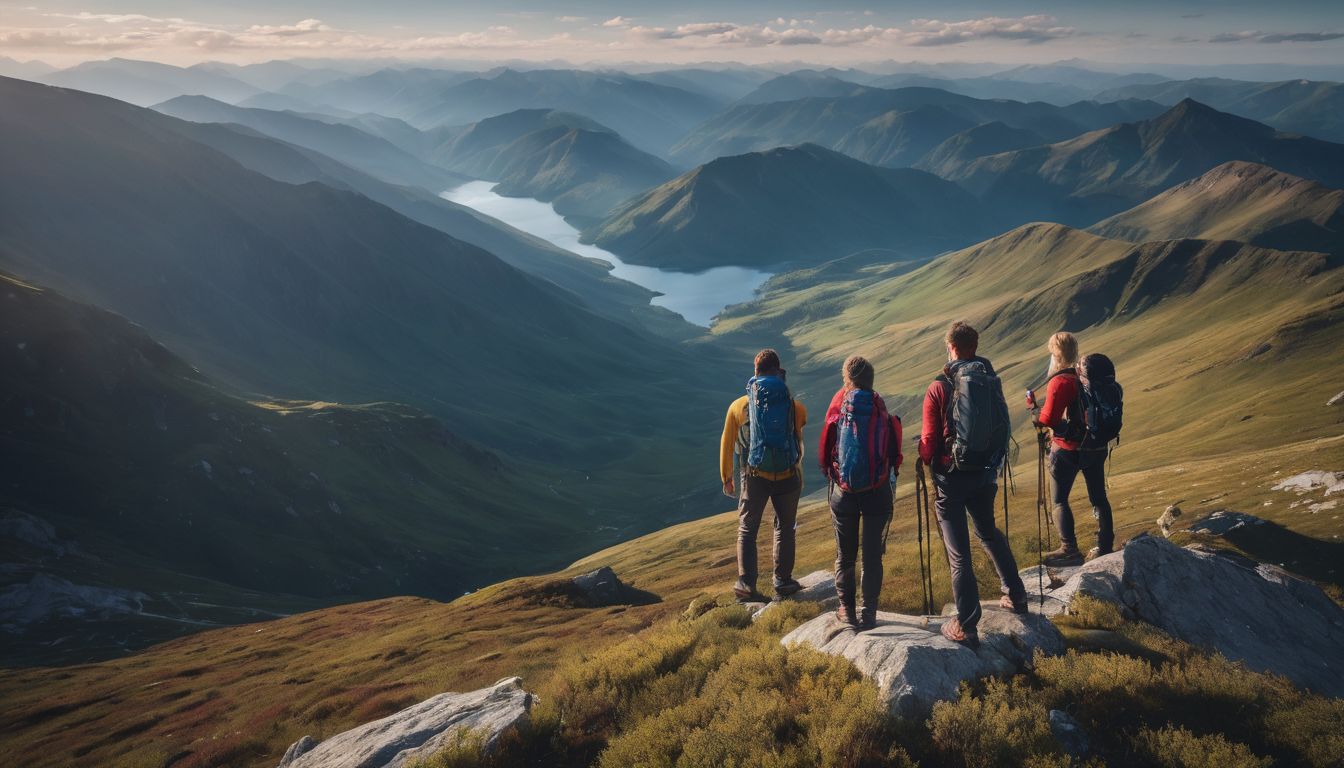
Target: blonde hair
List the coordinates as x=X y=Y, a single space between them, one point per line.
x=858 y=373
x=1063 y=347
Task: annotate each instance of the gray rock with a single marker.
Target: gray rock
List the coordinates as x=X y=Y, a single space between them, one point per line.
x=913 y=665
x=1069 y=733
x=46 y=597
x=1332 y=482
x=1336 y=400
x=1168 y=519
x=1261 y=616
x=1223 y=521
x=600 y=587
x=296 y=750
x=818 y=587
x=417 y=732
x=1042 y=582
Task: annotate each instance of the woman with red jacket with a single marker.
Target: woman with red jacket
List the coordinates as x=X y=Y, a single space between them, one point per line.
x=1062 y=414
x=860 y=451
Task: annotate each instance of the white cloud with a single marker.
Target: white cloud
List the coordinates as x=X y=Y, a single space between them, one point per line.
x=570 y=19
x=305 y=27
x=1275 y=37
x=617 y=21
x=1030 y=29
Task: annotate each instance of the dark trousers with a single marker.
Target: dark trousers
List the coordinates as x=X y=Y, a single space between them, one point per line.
x=856 y=516
x=1064 y=469
x=972 y=493
x=783 y=496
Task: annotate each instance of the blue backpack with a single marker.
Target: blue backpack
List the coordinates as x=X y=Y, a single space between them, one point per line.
x=773 y=444
x=862 y=442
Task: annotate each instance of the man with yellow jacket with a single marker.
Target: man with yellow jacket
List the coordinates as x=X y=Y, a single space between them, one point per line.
x=759 y=462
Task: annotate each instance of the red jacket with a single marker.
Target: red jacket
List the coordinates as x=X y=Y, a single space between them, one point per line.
x=829 y=434
x=1060 y=394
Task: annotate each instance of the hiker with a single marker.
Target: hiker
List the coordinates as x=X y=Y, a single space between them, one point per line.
x=963 y=442
x=1071 y=453
x=759 y=462
x=860 y=451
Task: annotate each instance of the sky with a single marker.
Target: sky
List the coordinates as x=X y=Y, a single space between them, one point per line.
x=681 y=31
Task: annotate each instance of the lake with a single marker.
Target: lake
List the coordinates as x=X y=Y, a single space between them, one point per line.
x=697 y=296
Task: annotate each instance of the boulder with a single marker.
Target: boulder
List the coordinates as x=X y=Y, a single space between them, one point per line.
x=600 y=587
x=417 y=732
x=914 y=666
x=1257 y=614
x=1069 y=733
x=1223 y=521
x=1332 y=482
x=818 y=587
x=1168 y=519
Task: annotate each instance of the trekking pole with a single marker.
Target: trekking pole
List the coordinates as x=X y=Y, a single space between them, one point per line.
x=891 y=515
x=923 y=540
x=1040 y=512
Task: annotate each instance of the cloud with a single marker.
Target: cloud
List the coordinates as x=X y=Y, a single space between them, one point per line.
x=617 y=21
x=1275 y=37
x=305 y=27
x=570 y=19
x=1031 y=29
x=722 y=33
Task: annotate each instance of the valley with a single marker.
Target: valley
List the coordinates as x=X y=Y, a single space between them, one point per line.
x=321 y=380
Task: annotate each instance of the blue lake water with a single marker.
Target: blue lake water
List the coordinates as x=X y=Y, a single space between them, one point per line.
x=697 y=296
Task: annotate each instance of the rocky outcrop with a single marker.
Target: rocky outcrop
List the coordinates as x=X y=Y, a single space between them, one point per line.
x=1330 y=482
x=46 y=597
x=1168 y=519
x=914 y=666
x=414 y=734
x=1224 y=521
x=818 y=587
x=1257 y=614
x=600 y=587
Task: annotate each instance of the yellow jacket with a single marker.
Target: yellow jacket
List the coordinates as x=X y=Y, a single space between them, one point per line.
x=737 y=436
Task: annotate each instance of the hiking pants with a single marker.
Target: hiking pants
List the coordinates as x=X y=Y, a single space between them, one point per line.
x=783 y=496
x=973 y=493
x=866 y=513
x=1064 y=468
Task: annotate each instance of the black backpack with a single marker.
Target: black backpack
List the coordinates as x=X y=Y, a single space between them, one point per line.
x=977 y=418
x=1102 y=401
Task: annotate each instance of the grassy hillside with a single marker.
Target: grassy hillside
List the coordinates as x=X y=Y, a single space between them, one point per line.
x=1101 y=173
x=241 y=695
x=582 y=168
x=979 y=141
x=800 y=205
x=166 y=482
x=349 y=145
x=1239 y=201
x=831 y=121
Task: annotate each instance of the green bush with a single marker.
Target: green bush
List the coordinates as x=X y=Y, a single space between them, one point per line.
x=1179 y=748
x=1005 y=725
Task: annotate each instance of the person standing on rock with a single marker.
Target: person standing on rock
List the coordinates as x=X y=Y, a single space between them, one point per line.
x=1062 y=414
x=964 y=441
x=860 y=452
x=759 y=461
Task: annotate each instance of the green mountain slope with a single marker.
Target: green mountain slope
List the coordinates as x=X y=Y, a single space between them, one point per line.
x=590 y=280
x=1309 y=107
x=349 y=145
x=1101 y=173
x=901 y=139
x=312 y=293
x=799 y=205
x=830 y=121
x=219 y=510
x=583 y=169
x=979 y=141
x=1239 y=201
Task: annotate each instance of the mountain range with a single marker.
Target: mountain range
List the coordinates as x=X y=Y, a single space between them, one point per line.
x=147 y=82
x=791 y=205
x=1098 y=174
x=1309 y=107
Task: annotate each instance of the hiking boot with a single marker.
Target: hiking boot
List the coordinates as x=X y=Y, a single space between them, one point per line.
x=845 y=615
x=748 y=594
x=867 y=619
x=1095 y=552
x=1064 y=556
x=788 y=588
x=1016 y=607
x=953 y=631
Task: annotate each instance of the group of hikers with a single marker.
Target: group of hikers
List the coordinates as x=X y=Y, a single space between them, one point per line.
x=963 y=444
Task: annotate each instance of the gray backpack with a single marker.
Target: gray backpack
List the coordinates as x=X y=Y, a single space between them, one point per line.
x=977 y=431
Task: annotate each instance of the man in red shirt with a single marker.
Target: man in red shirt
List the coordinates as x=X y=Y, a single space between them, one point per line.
x=963 y=492
x=1062 y=414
